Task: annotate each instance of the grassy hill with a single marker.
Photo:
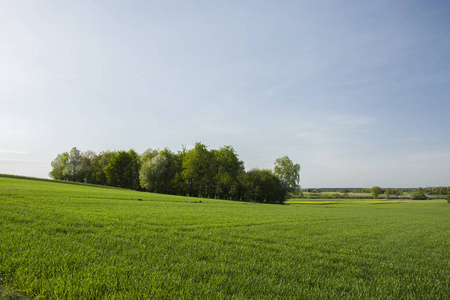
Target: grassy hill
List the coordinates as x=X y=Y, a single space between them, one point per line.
x=73 y=241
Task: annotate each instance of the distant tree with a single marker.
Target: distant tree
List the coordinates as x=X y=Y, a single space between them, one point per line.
x=198 y=171
x=227 y=167
x=123 y=170
x=262 y=186
x=388 y=193
x=134 y=167
x=148 y=154
x=73 y=164
x=448 y=192
x=419 y=195
x=86 y=166
x=59 y=165
x=375 y=191
x=397 y=192
x=157 y=174
x=178 y=183
x=98 y=165
x=288 y=173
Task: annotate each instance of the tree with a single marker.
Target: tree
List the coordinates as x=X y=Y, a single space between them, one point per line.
x=397 y=192
x=388 y=193
x=98 y=165
x=198 y=171
x=148 y=155
x=375 y=191
x=419 y=195
x=72 y=168
x=59 y=165
x=157 y=174
x=344 y=191
x=123 y=170
x=262 y=186
x=86 y=166
x=227 y=167
x=288 y=173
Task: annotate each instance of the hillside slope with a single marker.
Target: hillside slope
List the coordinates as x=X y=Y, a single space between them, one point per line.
x=75 y=241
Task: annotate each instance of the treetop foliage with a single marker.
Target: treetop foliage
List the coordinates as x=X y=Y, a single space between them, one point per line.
x=198 y=172
x=375 y=191
x=288 y=173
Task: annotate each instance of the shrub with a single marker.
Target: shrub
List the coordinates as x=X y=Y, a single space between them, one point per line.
x=375 y=191
x=419 y=195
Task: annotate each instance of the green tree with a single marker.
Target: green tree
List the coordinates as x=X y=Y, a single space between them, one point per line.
x=397 y=192
x=73 y=164
x=262 y=186
x=157 y=174
x=288 y=173
x=123 y=170
x=148 y=155
x=86 y=166
x=227 y=167
x=198 y=171
x=419 y=195
x=98 y=165
x=59 y=165
x=375 y=191
x=388 y=193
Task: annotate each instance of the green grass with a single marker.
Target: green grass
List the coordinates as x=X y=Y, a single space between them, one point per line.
x=65 y=241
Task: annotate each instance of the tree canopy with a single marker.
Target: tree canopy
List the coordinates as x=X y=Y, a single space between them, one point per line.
x=375 y=191
x=198 y=172
x=288 y=173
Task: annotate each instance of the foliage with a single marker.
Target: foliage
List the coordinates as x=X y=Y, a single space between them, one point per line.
x=227 y=169
x=375 y=191
x=75 y=241
x=73 y=165
x=99 y=164
x=388 y=193
x=123 y=170
x=198 y=172
x=419 y=195
x=157 y=174
x=58 y=165
x=288 y=173
x=262 y=186
x=437 y=190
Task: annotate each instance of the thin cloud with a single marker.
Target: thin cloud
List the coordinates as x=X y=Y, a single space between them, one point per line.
x=430 y=156
x=10 y=151
x=172 y=82
x=351 y=120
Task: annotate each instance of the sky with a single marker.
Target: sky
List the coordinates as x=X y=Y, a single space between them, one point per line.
x=356 y=92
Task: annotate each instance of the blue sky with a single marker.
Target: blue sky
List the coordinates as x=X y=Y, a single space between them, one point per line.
x=357 y=92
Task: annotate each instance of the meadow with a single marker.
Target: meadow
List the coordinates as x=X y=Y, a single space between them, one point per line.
x=74 y=241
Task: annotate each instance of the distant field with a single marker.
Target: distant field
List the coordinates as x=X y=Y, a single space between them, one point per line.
x=72 y=241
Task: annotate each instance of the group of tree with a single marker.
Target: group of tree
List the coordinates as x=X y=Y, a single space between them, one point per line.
x=419 y=195
x=389 y=192
x=198 y=172
x=437 y=190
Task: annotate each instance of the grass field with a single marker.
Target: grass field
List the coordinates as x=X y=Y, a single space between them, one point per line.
x=67 y=241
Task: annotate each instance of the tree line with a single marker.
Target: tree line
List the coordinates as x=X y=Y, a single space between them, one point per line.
x=198 y=172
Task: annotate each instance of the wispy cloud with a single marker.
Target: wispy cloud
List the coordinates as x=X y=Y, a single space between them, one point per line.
x=429 y=156
x=160 y=78
x=10 y=151
x=351 y=120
